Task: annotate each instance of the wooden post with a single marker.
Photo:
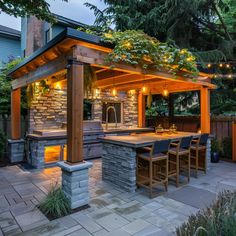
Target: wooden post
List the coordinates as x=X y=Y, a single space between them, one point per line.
x=141 y=110
x=15 y=114
x=234 y=141
x=75 y=103
x=205 y=110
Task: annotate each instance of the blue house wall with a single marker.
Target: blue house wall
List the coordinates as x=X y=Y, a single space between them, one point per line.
x=9 y=47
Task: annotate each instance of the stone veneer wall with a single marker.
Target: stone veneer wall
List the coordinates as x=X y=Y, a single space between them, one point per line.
x=49 y=110
x=130 y=107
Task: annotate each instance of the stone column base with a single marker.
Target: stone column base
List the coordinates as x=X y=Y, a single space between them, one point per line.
x=75 y=182
x=16 y=150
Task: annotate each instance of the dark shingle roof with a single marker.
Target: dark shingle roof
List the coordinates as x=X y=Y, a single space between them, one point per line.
x=9 y=32
x=68 y=22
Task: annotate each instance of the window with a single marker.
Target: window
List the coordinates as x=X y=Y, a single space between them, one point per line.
x=48 y=35
x=109 y=107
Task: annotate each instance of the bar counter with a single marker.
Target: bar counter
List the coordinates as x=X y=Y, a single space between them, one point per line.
x=119 y=156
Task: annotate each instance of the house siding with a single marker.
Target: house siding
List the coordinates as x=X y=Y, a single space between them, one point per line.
x=9 y=47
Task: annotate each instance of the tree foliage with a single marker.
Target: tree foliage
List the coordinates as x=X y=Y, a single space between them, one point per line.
x=205 y=27
x=21 y=8
x=199 y=25
x=5 y=89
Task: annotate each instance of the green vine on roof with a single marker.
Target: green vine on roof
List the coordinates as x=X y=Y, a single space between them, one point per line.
x=137 y=48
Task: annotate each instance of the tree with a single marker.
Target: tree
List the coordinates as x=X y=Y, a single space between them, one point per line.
x=206 y=27
x=5 y=90
x=199 y=25
x=39 y=8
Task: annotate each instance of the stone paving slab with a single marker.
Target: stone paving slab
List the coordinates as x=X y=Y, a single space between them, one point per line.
x=192 y=196
x=112 y=211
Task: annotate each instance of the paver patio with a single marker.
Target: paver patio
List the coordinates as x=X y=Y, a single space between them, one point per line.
x=112 y=211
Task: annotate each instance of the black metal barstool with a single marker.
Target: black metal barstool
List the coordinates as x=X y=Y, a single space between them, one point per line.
x=199 y=146
x=156 y=170
x=179 y=158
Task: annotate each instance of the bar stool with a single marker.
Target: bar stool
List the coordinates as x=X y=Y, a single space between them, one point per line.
x=179 y=158
x=198 y=146
x=156 y=171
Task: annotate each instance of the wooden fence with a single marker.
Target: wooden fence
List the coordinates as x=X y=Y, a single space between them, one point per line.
x=221 y=127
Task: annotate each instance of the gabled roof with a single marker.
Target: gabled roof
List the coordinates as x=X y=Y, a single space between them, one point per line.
x=9 y=32
x=69 y=22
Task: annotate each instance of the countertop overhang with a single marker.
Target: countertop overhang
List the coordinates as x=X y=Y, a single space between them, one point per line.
x=146 y=139
x=61 y=134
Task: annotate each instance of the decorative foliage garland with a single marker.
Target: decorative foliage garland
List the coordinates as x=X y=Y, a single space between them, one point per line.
x=137 y=48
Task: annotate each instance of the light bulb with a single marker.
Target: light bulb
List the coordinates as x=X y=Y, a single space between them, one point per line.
x=114 y=92
x=209 y=65
x=144 y=89
x=165 y=92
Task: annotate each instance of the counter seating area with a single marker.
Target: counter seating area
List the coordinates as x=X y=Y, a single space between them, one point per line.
x=152 y=160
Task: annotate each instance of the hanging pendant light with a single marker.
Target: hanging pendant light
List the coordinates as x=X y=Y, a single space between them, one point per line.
x=114 y=92
x=144 y=89
x=165 y=92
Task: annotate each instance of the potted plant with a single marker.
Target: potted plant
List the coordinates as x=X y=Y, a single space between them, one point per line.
x=215 y=150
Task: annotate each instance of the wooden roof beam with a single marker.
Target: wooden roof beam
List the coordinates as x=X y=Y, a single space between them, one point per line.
x=97 y=58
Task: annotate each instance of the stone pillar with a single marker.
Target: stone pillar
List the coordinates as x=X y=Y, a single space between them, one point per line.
x=75 y=182
x=16 y=150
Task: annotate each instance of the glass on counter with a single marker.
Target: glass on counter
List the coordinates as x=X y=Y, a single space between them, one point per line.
x=173 y=129
x=159 y=129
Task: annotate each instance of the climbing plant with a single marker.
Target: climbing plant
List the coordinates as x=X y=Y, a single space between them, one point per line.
x=137 y=48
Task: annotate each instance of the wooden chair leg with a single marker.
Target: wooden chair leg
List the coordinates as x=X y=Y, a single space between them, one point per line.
x=150 y=179
x=166 y=180
x=189 y=165
x=177 y=170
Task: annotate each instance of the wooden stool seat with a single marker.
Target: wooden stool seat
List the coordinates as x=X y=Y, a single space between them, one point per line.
x=179 y=158
x=198 y=146
x=155 y=171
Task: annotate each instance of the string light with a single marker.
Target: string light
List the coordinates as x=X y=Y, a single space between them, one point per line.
x=228 y=66
x=220 y=65
x=230 y=76
x=209 y=65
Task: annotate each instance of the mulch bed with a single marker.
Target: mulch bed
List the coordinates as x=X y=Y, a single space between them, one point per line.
x=52 y=217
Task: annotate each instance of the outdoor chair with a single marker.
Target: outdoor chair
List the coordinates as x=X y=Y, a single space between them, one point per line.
x=179 y=158
x=198 y=154
x=152 y=166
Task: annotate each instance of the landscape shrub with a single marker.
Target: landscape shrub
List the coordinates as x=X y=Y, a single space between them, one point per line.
x=55 y=204
x=217 y=220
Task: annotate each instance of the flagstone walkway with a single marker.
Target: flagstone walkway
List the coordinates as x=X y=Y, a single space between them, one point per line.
x=112 y=212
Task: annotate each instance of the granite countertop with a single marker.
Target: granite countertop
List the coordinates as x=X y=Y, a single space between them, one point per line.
x=145 y=139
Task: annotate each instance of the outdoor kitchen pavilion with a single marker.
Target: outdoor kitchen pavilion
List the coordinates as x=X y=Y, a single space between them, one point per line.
x=68 y=52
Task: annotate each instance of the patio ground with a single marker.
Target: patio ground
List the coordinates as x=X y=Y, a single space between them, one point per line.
x=112 y=211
